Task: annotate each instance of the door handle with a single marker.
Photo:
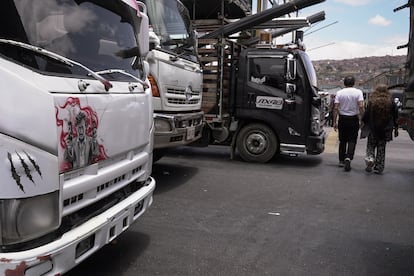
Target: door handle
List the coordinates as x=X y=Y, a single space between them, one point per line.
x=250 y=98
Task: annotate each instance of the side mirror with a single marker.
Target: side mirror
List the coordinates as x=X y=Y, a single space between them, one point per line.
x=142 y=7
x=143 y=36
x=290 y=68
x=154 y=40
x=194 y=37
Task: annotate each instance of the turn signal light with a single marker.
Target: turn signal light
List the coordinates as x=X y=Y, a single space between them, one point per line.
x=154 y=86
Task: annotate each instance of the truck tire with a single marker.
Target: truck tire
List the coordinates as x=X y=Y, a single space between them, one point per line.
x=257 y=143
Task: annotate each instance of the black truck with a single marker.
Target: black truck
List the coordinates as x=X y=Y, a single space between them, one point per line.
x=260 y=99
x=406 y=115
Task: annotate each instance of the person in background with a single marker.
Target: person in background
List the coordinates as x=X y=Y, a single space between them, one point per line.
x=381 y=118
x=398 y=103
x=331 y=110
x=349 y=107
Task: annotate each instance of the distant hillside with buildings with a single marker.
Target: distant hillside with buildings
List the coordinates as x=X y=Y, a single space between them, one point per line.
x=368 y=71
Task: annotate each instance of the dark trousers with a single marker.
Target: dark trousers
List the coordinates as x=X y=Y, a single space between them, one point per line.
x=348 y=127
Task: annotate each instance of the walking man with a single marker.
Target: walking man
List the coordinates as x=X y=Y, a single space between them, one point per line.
x=349 y=106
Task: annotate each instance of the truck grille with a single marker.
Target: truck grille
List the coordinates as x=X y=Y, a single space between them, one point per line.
x=196 y=121
x=101 y=188
x=182 y=96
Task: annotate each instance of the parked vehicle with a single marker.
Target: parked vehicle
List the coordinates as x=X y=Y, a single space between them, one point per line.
x=271 y=104
x=261 y=100
x=76 y=130
x=175 y=75
x=406 y=114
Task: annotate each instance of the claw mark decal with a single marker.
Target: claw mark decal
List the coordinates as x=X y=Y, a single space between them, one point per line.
x=21 y=163
x=78 y=126
x=15 y=175
x=37 y=168
x=26 y=168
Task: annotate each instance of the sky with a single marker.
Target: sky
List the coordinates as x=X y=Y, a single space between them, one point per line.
x=355 y=28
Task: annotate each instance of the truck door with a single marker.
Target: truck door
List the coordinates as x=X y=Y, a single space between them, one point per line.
x=270 y=97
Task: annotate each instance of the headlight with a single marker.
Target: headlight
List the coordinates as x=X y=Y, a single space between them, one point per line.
x=28 y=218
x=162 y=125
x=315 y=127
x=183 y=124
x=316 y=122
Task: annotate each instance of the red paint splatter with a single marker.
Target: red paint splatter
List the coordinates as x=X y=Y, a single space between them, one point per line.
x=4 y=260
x=44 y=258
x=18 y=271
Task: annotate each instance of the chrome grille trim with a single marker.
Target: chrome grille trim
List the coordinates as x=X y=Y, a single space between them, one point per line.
x=179 y=96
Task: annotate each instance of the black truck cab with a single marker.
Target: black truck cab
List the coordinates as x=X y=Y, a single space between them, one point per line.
x=277 y=88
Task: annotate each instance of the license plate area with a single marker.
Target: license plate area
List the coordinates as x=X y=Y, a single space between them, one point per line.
x=190 y=133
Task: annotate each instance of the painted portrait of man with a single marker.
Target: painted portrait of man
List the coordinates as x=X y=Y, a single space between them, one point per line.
x=81 y=150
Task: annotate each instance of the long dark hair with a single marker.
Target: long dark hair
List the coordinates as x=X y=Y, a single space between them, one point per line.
x=380 y=101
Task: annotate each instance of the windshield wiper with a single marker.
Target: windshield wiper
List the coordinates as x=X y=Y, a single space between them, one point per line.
x=187 y=48
x=58 y=58
x=182 y=51
x=178 y=42
x=123 y=72
x=129 y=53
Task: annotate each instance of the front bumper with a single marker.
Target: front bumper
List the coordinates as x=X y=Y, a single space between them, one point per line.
x=179 y=129
x=73 y=247
x=316 y=144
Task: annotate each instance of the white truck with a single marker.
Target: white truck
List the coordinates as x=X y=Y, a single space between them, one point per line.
x=76 y=130
x=175 y=75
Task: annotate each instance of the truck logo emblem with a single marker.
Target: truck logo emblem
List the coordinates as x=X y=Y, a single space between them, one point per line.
x=188 y=93
x=269 y=102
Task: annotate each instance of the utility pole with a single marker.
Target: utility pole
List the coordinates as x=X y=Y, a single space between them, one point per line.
x=259 y=6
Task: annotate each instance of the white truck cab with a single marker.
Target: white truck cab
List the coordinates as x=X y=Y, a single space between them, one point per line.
x=175 y=75
x=76 y=130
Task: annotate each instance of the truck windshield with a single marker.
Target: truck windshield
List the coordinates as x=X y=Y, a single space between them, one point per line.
x=310 y=70
x=171 y=23
x=100 y=35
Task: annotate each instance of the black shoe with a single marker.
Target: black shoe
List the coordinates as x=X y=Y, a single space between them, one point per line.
x=377 y=171
x=347 y=164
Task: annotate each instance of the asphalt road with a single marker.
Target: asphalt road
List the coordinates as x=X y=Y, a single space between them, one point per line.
x=294 y=216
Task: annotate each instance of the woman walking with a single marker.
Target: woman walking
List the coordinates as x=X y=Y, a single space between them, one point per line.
x=381 y=118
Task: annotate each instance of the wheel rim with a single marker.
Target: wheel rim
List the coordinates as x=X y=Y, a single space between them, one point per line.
x=256 y=143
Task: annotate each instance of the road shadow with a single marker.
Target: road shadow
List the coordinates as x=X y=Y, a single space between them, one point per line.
x=114 y=257
x=383 y=258
x=304 y=161
x=169 y=176
x=215 y=152
x=222 y=153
